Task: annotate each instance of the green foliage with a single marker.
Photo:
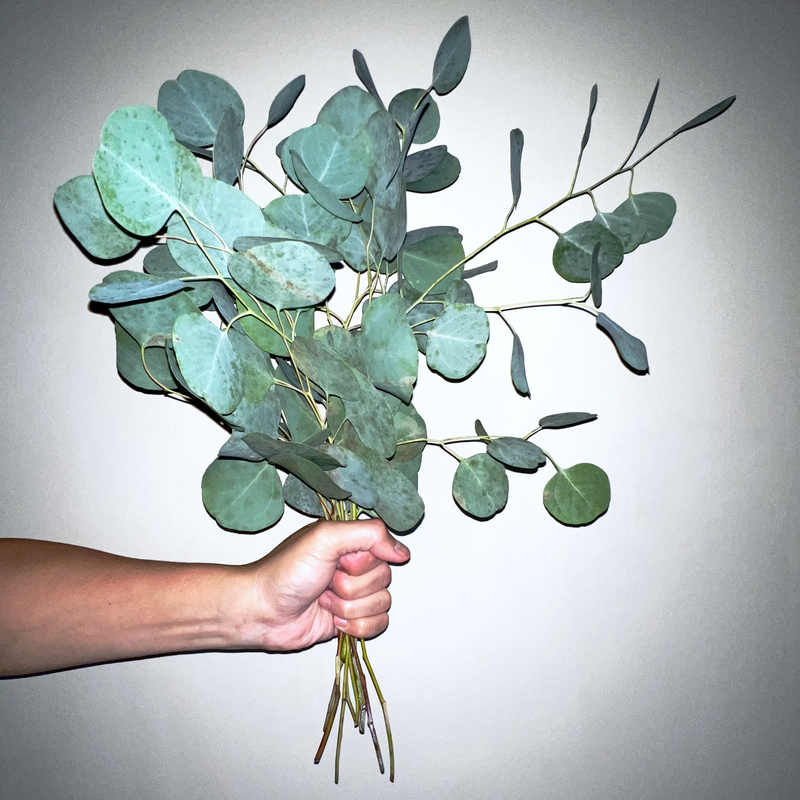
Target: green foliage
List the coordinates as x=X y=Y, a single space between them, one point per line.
x=195 y=105
x=81 y=209
x=578 y=495
x=142 y=173
x=457 y=341
x=317 y=386
x=480 y=486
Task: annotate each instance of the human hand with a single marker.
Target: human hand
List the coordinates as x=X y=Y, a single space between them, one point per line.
x=327 y=576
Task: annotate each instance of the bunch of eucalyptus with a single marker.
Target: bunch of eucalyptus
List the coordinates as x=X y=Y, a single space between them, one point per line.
x=237 y=308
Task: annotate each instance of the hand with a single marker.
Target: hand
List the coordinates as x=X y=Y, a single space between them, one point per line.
x=324 y=577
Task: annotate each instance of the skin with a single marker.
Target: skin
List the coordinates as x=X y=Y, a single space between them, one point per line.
x=65 y=606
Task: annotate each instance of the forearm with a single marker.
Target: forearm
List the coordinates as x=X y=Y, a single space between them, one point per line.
x=63 y=606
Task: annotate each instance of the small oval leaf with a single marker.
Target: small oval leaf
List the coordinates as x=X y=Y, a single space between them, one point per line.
x=480 y=486
x=631 y=350
x=452 y=57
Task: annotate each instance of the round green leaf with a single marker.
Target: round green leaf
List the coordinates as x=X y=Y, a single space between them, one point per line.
x=457 y=341
x=208 y=362
x=578 y=495
x=655 y=209
x=130 y=367
x=480 y=486
x=572 y=255
x=195 y=103
x=629 y=230
x=325 y=367
x=446 y=174
x=338 y=162
x=228 y=212
x=349 y=110
x=516 y=453
x=284 y=274
x=421 y=164
x=243 y=496
x=81 y=209
x=402 y=109
x=305 y=219
x=427 y=260
x=408 y=425
x=142 y=173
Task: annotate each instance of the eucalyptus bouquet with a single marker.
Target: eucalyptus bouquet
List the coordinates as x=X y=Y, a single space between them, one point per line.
x=237 y=308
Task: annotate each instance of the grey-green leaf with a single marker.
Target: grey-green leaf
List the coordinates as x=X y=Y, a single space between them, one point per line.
x=473 y=271
x=594 y=277
x=421 y=164
x=364 y=75
x=151 y=322
x=517 y=453
x=630 y=230
x=301 y=497
x=588 y=129
x=566 y=419
x=310 y=474
x=430 y=260
x=81 y=209
x=519 y=377
x=130 y=367
x=707 y=115
x=208 y=362
x=223 y=214
x=270 y=448
x=572 y=255
x=228 y=148
x=388 y=347
x=129 y=286
x=446 y=174
x=142 y=173
x=452 y=57
x=325 y=367
x=408 y=426
x=647 y=113
x=480 y=430
x=457 y=341
x=402 y=109
x=631 y=350
x=159 y=262
x=307 y=220
x=655 y=209
x=243 y=496
x=285 y=99
x=578 y=495
x=300 y=419
x=480 y=486
x=517 y=142
x=349 y=110
x=195 y=103
x=324 y=196
x=284 y=274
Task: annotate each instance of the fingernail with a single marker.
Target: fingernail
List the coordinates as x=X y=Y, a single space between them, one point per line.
x=401 y=549
x=339 y=622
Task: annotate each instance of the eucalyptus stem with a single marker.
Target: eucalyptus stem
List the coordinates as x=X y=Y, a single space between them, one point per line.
x=349 y=691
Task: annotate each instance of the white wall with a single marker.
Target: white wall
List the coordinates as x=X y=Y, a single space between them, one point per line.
x=653 y=655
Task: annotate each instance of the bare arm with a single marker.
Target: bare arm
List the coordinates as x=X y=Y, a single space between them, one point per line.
x=63 y=606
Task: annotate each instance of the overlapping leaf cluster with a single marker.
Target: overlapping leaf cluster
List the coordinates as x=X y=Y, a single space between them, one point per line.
x=233 y=308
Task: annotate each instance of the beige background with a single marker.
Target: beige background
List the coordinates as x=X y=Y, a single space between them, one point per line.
x=653 y=655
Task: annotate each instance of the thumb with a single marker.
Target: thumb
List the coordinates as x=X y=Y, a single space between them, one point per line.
x=369 y=535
